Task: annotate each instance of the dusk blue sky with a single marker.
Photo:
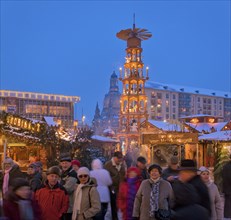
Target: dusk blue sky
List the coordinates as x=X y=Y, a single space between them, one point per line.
x=70 y=47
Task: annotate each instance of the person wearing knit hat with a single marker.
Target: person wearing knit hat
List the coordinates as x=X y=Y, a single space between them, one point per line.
x=153 y=194
x=54 y=170
x=75 y=165
x=52 y=197
x=86 y=197
x=127 y=192
x=10 y=172
x=215 y=199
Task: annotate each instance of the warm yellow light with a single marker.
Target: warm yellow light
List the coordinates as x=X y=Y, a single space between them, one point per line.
x=194 y=120
x=211 y=120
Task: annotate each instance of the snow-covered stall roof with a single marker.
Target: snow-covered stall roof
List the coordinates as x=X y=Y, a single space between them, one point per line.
x=166 y=126
x=186 y=89
x=104 y=139
x=207 y=127
x=109 y=131
x=217 y=136
x=50 y=121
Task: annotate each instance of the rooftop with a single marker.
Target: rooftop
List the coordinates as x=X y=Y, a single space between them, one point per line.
x=187 y=89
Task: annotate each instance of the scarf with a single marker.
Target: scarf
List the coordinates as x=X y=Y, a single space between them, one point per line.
x=25 y=209
x=6 y=181
x=77 y=201
x=154 y=197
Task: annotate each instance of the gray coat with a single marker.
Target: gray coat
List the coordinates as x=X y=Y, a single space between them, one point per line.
x=216 y=208
x=142 y=201
x=90 y=203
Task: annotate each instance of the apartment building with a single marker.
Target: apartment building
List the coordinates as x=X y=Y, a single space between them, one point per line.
x=166 y=102
x=37 y=105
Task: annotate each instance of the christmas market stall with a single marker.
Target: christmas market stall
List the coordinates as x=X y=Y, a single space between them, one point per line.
x=108 y=145
x=161 y=140
x=214 y=144
x=27 y=140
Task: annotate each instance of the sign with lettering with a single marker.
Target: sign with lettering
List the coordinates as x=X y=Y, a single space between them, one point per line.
x=23 y=123
x=170 y=138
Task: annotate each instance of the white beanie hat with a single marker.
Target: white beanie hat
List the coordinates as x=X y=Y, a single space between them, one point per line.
x=83 y=171
x=203 y=169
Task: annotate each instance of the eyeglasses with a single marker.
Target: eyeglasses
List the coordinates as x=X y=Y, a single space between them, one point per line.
x=83 y=176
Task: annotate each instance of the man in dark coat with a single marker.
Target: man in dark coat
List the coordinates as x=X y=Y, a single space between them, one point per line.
x=172 y=171
x=68 y=181
x=116 y=169
x=188 y=175
x=186 y=198
x=226 y=176
x=141 y=164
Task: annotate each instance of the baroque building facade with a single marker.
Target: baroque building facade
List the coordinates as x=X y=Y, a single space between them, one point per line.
x=108 y=119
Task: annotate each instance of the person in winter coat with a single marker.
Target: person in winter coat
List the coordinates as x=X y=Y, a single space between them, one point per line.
x=188 y=174
x=10 y=172
x=226 y=176
x=52 y=197
x=127 y=192
x=116 y=168
x=75 y=165
x=191 y=194
x=141 y=164
x=104 y=180
x=214 y=194
x=172 y=171
x=19 y=204
x=86 y=197
x=186 y=203
x=153 y=194
x=34 y=177
x=68 y=181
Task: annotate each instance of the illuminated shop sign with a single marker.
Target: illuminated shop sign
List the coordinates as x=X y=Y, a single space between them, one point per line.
x=171 y=138
x=23 y=123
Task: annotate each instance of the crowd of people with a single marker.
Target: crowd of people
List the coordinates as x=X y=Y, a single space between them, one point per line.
x=139 y=192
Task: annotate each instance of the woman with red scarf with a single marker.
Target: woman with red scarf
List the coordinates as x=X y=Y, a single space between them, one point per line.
x=127 y=192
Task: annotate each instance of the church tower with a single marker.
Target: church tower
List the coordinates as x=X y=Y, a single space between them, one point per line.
x=96 y=120
x=133 y=100
x=111 y=105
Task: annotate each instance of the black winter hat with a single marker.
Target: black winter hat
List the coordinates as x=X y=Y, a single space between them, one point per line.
x=155 y=166
x=19 y=182
x=142 y=160
x=54 y=170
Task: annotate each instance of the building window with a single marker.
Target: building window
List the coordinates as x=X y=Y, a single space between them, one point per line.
x=174 y=96
x=159 y=95
x=167 y=95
